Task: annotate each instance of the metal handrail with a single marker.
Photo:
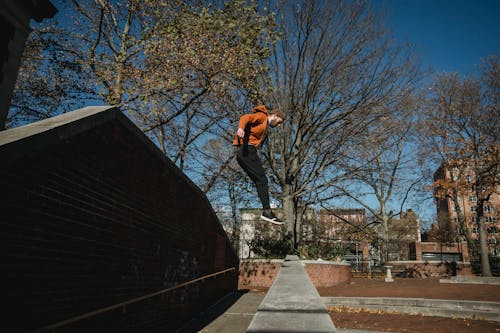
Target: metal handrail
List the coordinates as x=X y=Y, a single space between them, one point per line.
x=53 y=327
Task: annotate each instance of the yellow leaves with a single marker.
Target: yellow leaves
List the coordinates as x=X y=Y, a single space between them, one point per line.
x=359 y=310
x=346 y=309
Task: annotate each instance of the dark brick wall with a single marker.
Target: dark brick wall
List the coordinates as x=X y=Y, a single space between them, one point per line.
x=101 y=218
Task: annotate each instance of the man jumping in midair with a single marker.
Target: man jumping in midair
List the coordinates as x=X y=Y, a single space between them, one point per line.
x=251 y=133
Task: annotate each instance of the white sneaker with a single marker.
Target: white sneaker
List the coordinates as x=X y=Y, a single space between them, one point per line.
x=268 y=215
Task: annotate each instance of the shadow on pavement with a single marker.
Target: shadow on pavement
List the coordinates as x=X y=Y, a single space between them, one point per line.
x=213 y=312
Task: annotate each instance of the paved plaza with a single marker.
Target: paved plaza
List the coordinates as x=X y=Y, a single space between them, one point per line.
x=234 y=312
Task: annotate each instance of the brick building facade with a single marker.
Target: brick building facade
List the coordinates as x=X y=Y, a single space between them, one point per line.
x=463 y=175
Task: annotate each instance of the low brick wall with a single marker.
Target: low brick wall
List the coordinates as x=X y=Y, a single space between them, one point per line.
x=259 y=272
x=430 y=269
x=262 y=272
x=328 y=273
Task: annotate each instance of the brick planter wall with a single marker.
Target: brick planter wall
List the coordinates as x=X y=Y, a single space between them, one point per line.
x=262 y=273
x=430 y=269
x=328 y=274
x=258 y=273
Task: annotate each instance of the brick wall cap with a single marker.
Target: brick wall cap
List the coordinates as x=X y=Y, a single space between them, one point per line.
x=86 y=117
x=243 y=261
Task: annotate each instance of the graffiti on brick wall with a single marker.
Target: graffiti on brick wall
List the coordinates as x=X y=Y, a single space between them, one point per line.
x=185 y=268
x=258 y=274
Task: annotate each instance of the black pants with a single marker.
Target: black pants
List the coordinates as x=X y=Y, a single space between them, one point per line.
x=250 y=162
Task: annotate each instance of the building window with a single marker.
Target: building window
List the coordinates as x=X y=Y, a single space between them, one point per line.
x=473 y=208
x=490 y=219
x=488 y=209
x=472 y=198
x=492 y=230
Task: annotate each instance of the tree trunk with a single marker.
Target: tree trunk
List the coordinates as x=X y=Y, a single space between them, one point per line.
x=385 y=232
x=483 y=248
x=235 y=235
x=385 y=238
x=291 y=218
x=483 y=240
x=298 y=224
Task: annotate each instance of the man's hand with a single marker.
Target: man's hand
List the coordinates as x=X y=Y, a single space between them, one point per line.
x=240 y=133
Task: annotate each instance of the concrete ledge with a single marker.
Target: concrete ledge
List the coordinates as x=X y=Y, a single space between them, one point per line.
x=421 y=306
x=292 y=304
x=37 y=135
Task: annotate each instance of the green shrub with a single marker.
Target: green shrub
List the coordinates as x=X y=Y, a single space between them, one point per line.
x=271 y=248
x=323 y=251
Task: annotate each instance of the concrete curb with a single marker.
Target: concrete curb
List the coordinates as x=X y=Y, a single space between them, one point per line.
x=472 y=280
x=346 y=330
x=421 y=306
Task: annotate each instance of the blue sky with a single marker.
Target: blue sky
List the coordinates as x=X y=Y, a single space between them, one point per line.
x=450 y=35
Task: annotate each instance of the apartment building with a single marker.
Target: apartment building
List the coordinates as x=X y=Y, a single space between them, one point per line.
x=447 y=210
x=337 y=225
x=342 y=223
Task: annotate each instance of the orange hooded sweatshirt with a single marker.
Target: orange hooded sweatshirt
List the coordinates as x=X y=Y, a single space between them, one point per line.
x=255 y=125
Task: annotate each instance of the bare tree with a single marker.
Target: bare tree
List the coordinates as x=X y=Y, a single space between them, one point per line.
x=462 y=126
x=171 y=65
x=223 y=181
x=212 y=56
x=334 y=71
x=380 y=173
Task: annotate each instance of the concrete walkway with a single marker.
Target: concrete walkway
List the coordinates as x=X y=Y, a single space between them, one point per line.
x=233 y=314
x=292 y=304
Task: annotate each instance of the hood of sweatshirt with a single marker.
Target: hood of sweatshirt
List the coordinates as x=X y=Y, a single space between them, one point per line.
x=260 y=108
